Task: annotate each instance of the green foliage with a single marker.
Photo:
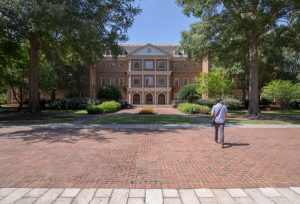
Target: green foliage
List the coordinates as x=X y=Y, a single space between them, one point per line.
x=95 y=109
x=109 y=92
x=73 y=103
x=282 y=92
x=232 y=33
x=204 y=110
x=110 y=106
x=3 y=98
x=206 y=102
x=214 y=84
x=188 y=92
x=233 y=104
x=188 y=108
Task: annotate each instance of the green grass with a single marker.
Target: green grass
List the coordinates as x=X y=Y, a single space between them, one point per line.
x=149 y=119
x=291 y=112
x=261 y=122
x=63 y=112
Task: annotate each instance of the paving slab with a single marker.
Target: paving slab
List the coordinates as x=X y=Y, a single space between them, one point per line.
x=63 y=201
x=70 y=192
x=296 y=189
x=280 y=200
x=172 y=201
x=258 y=196
x=36 y=192
x=289 y=194
x=188 y=196
x=6 y=191
x=137 y=193
x=119 y=196
x=270 y=192
x=84 y=196
x=170 y=193
x=243 y=200
x=99 y=201
x=27 y=200
x=237 y=192
x=223 y=196
x=136 y=201
x=103 y=192
x=154 y=196
x=50 y=196
x=208 y=201
x=204 y=193
x=14 y=195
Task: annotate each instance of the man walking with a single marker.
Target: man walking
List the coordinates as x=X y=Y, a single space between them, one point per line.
x=219 y=113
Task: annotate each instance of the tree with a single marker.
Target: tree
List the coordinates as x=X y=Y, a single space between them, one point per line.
x=109 y=92
x=87 y=29
x=216 y=84
x=226 y=26
x=282 y=92
x=14 y=69
x=188 y=92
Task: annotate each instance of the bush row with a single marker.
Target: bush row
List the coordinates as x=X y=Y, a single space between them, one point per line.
x=105 y=107
x=231 y=103
x=73 y=103
x=191 y=108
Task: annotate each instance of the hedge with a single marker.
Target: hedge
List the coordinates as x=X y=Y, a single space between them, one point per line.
x=105 y=107
x=191 y=108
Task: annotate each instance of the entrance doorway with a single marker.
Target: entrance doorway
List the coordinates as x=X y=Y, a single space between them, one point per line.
x=136 y=99
x=149 y=98
x=161 y=99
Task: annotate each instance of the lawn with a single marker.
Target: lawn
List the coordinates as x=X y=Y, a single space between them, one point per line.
x=149 y=119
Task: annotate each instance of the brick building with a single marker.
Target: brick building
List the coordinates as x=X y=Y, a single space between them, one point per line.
x=144 y=74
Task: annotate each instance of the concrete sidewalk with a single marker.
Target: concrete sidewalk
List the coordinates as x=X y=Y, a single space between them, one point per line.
x=149 y=196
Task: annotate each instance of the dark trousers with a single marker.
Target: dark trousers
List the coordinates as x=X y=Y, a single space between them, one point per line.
x=221 y=127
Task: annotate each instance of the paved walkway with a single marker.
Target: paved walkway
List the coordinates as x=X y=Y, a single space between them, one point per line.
x=149 y=196
x=138 y=158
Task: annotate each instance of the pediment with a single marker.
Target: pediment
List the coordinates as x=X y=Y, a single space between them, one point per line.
x=149 y=50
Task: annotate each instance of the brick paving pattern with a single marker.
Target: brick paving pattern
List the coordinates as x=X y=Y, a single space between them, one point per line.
x=149 y=196
x=160 y=159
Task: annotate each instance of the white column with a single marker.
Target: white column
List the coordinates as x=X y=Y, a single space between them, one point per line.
x=143 y=98
x=129 y=68
x=155 y=101
x=168 y=97
x=129 y=97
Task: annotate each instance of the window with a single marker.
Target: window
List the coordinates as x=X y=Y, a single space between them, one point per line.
x=102 y=81
x=185 y=81
x=103 y=65
x=121 y=81
x=176 y=81
x=161 y=81
x=113 y=65
x=137 y=65
x=186 y=65
x=149 y=65
x=136 y=81
x=162 y=65
x=149 y=80
x=121 y=64
x=176 y=65
x=195 y=65
x=112 y=81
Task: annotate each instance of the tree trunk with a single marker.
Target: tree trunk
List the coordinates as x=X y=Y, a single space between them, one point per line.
x=253 y=108
x=35 y=47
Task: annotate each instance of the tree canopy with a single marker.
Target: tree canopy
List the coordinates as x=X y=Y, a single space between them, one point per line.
x=232 y=32
x=76 y=32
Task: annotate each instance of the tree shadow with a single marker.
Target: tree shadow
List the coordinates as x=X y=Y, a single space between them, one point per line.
x=229 y=145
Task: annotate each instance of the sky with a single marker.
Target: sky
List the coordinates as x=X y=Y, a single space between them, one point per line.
x=160 y=22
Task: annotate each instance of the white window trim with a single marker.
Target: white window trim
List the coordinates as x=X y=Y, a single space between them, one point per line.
x=146 y=81
x=161 y=61
x=140 y=62
x=153 y=65
x=165 y=79
x=121 y=79
x=187 y=80
x=176 y=79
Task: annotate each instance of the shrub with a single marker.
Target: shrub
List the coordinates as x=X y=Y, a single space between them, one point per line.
x=73 y=103
x=189 y=108
x=110 y=106
x=264 y=102
x=94 y=109
x=109 y=92
x=188 y=92
x=206 y=102
x=282 y=92
x=233 y=104
x=147 y=111
x=204 y=110
x=3 y=98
